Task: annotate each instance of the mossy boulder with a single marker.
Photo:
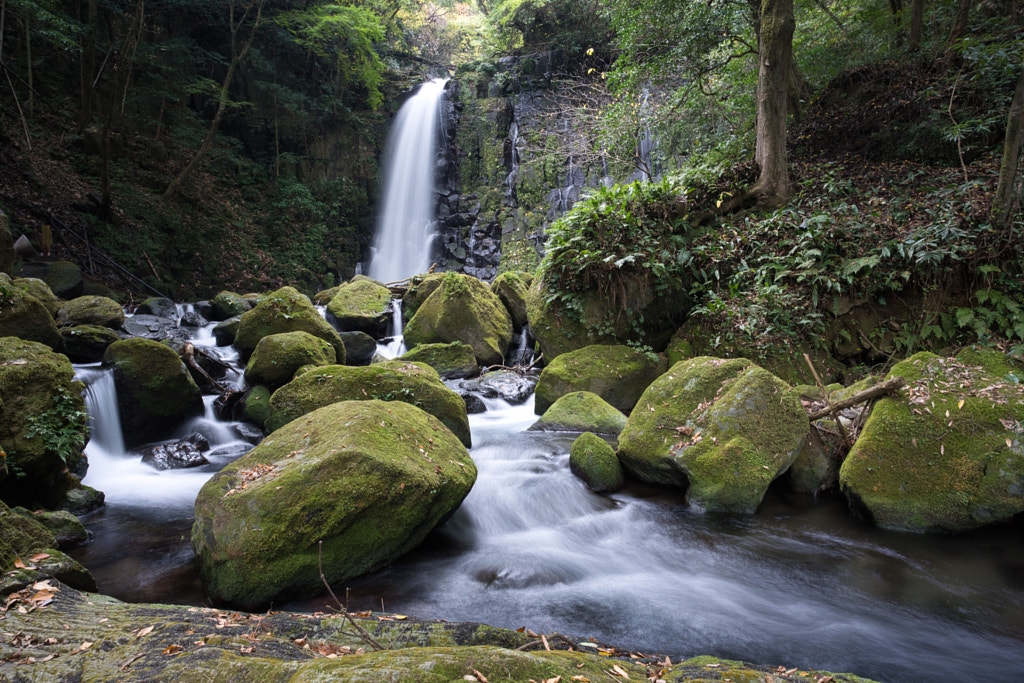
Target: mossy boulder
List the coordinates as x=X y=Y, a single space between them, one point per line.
x=87 y=343
x=278 y=356
x=227 y=305
x=361 y=306
x=463 y=309
x=816 y=468
x=618 y=374
x=24 y=316
x=42 y=422
x=225 y=331
x=23 y=538
x=254 y=405
x=947 y=453
x=155 y=391
x=359 y=347
x=452 y=361
x=783 y=357
x=91 y=310
x=558 y=331
x=581 y=411
x=324 y=296
x=413 y=383
x=67 y=530
x=593 y=460
x=512 y=288
x=286 y=310
x=159 y=306
x=420 y=287
x=723 y=428
x=366 y=479
x=63 y=278
x=33 y=286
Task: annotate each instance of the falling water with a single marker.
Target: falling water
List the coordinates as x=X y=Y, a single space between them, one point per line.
x=393 y=345
x=405 y=229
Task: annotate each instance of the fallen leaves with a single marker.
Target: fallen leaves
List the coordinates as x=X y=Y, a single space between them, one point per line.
x=38 y=595
x=251 y=475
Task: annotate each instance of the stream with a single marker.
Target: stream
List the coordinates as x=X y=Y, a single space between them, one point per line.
x=800 y=583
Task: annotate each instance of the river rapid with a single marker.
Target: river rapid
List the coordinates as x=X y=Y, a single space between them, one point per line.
x=801 y=583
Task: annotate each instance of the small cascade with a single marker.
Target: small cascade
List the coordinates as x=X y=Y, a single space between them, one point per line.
x=519 y=351
x=393 y=345
x=512 y=163
x=101 y=406
x=403 y=245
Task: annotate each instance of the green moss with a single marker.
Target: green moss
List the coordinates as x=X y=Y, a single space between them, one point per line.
x=463 y=309
x=581 y=411
x=278 y=356
x=947 y=454
x=368 y=478
x=725 y=428
x=40 y=290
x=452 y=361
x=412 y=383
x=285 y=310
x=26 y=317
x=593 y=460
x=511 y=288
x=421 y=287
x=91 y=310
x=618 y=374
x=361 y=306
x=228 y=304
x=87 y=343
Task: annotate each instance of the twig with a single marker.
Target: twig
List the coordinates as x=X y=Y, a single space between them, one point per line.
x=363 y=633
x=821 y=385
x=520 y=369
x=880 y=389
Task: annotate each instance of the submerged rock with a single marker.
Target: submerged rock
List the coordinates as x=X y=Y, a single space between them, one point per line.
x=343 y=490
x=724 y=428
x=177 y=454
x=412 y=383
x=947 y=454
x=507 y=385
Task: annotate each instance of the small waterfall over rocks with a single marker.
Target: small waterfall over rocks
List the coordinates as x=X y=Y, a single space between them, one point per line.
x=404 y=243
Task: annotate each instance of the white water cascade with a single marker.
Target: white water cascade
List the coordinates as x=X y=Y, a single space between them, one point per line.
x=405 y=228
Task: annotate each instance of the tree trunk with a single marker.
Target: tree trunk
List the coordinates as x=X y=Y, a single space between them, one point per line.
x=916 y=25
x=87 y=65
x=237 y=55
x=773 y=186
x=1005 y=201
x=959 y=26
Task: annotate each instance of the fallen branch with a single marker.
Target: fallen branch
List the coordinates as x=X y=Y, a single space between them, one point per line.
x=188 y=354
x=880 y=389
x=828 y=404
x=362 y=632
x=520 y=369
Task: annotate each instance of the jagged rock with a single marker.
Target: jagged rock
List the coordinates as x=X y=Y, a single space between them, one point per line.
x=724 y=428
x=342 y=491
x=91 y=310
x=177 y=454
x=361 y=306
x=618 y=374
x=155 y=391
x=24 y=316
x=227 y=305
x=42 y=422
x=285 y=310
x=278 y=356
x=947 y=453
x=452 y=361
x=413 y=383
x=581 y=411
x=593 y=460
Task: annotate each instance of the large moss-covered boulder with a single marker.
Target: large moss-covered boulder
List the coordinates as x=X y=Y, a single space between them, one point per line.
x=724 y=428
x=28 y=554
x=24 y=316
x=618 y=374
x=593 y=460
x=343 y=490
x=581 y=411
x=155 y=391
x=559 y=331
x=64 y=278
x=40 y=290
x=947 y=453
x=420 y=288
x=91 y=310
x=463 y=309
x=88 y=343
x=512 y=288
x=286 y=310
x=227 y=305
x=361 y=306
x=452 y=361
x=412 y=383
x=278 y=356
x=42 y=422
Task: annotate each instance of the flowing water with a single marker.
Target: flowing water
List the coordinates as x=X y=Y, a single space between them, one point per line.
x=403 y=244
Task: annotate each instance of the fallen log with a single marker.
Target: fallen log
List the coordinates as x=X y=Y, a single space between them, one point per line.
x=880 y=389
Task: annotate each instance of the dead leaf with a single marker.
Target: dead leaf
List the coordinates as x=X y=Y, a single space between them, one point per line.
x=144 y=631
x=619 y=671
x=172 y=650
x=479 y=677
x=39 y=557
x=81 y=648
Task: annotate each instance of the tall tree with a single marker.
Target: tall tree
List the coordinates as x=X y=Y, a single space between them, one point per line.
x=916 y=25
x=775 y=54
x=1005 y=202
x=242 y=34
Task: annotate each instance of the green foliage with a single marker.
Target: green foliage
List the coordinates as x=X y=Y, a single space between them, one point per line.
x=617 y=241
x=573 y=26
x=64 y=427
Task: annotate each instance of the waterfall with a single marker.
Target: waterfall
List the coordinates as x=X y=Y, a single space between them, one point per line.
x=101 y=406
x=403 y=244
x=393 y=345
